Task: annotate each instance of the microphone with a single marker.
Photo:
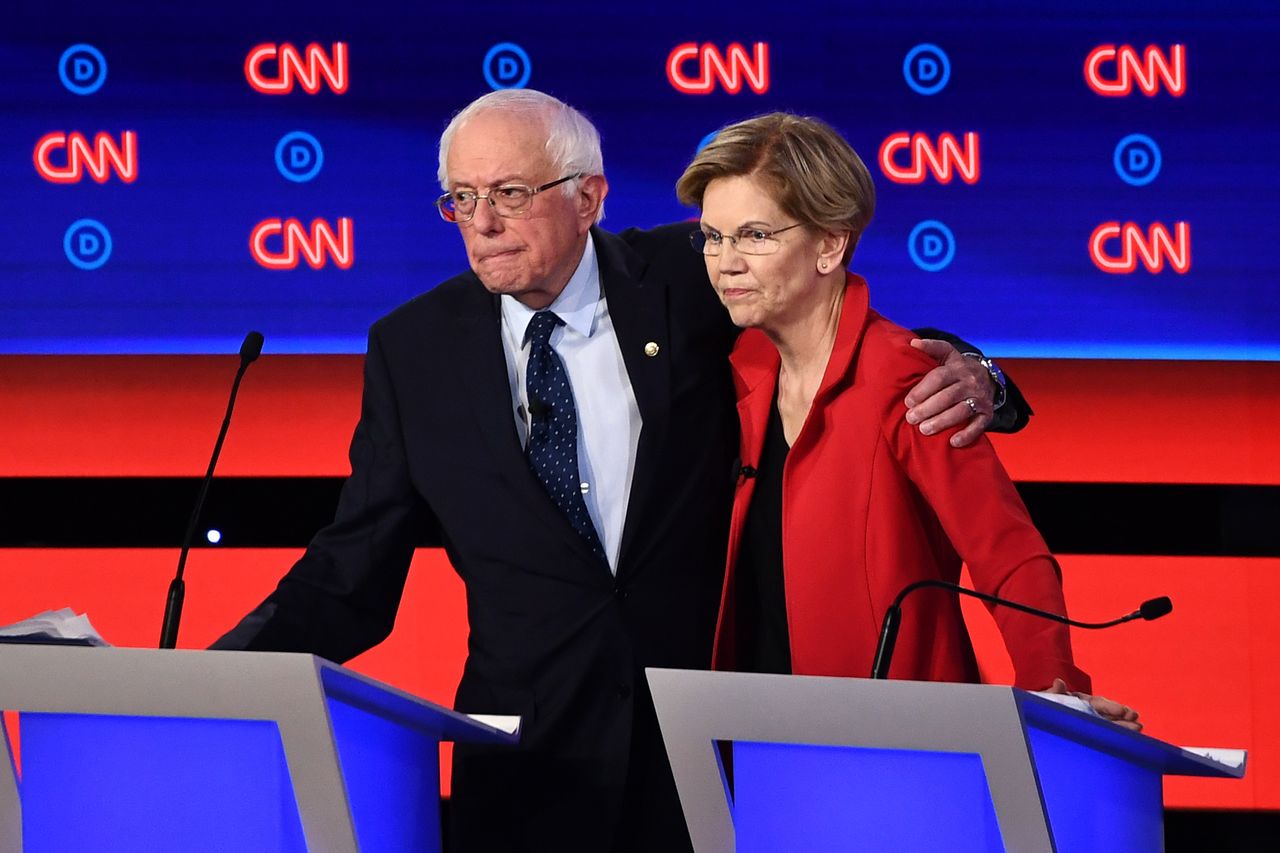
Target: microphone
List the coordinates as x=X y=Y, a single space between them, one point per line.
x=1152 y=609
x=742 y=472
x=249 y=352
x=538 y=409
x=250 y=349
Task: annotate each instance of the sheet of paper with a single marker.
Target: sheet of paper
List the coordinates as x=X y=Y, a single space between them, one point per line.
x=1230 y=757
x=64 y=624
x=503 y=723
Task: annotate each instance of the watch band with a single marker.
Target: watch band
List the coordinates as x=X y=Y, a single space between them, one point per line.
x=997 y=377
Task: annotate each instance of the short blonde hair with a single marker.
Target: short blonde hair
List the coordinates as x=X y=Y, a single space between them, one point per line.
x=808 y=168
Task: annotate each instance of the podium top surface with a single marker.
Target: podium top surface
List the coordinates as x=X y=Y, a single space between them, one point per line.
x=210 y=684
x=827 y=710
x=1167 y=758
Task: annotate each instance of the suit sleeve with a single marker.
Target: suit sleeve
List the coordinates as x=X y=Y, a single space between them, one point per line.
x=1016 y=412
x=989 y=527
x=341 y=597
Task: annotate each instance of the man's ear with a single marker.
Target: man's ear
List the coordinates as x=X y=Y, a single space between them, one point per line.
x=591 y=192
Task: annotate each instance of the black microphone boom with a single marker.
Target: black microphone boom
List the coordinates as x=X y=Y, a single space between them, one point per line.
x=249 y=352
x=1153 y=609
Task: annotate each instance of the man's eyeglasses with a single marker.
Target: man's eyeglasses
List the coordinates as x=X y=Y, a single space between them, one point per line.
x=509 y=200
x=748 y=241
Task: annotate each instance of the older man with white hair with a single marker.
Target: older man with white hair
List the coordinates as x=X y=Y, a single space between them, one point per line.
x=564 y=413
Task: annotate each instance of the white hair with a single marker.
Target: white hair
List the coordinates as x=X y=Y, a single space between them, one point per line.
x=573 y=143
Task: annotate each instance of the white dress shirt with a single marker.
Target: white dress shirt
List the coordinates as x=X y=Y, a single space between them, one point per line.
x=608 y=416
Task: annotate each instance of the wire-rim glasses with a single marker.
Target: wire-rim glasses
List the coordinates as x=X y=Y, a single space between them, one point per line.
x=507 y=200
x=748 y=241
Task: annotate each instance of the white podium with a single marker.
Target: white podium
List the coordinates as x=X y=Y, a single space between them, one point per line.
x=838 y=764
x=140 y=749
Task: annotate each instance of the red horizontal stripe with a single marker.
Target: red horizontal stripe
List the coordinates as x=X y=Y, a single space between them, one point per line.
x=1147 y=422
x=1202 y=676
x=1096 y=421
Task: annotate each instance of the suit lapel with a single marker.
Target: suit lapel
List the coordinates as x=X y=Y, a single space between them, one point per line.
x=638 y=309
x=482 y=369
x=755 y=363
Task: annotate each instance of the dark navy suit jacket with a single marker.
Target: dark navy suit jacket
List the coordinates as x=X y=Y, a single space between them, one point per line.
x=554 y=636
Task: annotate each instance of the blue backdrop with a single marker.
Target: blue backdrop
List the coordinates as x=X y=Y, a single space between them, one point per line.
x=1010 y=268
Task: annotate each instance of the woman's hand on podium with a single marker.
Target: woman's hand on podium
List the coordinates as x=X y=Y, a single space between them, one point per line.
x=1108 y=709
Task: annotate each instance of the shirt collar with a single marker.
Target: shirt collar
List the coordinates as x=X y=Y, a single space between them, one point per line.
x=576 y=305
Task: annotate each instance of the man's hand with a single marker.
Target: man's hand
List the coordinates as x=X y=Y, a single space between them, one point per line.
x=1121 y=715
x=958 y=390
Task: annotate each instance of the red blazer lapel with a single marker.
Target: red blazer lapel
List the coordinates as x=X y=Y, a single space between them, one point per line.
x=755 y=363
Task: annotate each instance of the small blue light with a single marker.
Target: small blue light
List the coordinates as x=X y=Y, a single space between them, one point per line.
x=214 y=536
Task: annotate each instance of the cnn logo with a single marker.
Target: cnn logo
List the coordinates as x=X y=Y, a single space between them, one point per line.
x=905 y=158
x=78 y=157
x=316 y=245
x=1113 y=71
x=274 y=69
x=709 y=66
x=1151 y=247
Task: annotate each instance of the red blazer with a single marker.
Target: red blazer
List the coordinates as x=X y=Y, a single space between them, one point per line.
x=870 y=505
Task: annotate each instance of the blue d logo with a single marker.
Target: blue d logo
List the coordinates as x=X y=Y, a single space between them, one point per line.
x=927 y=69
x=931 y=245
x=507 y=66
x=82 y=69
x=299 y=156
x=705 y=141
x=1137 y=159
x=87 y=244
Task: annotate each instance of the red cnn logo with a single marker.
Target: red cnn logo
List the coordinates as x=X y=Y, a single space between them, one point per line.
x=1151 y=247
x=940 y=159
x=289 y=66
x=99 y=160
x=316 y=246
x=712 y=65
x=1147 y=72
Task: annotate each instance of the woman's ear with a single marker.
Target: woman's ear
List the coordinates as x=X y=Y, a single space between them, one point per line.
x=831 y=251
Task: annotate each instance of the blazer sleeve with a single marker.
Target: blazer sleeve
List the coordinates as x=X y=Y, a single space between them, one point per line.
x=341 y=597
x=989 y=527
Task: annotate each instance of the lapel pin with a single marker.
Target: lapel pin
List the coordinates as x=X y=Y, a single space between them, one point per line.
x=651 y=349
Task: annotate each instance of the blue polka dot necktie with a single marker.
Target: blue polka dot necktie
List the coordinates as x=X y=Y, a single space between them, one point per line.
x=553 y=430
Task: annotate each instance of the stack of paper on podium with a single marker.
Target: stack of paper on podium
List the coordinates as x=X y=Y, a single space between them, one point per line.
x=53 y=627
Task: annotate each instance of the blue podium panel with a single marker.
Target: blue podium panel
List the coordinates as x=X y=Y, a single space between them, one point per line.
x=843 y=798
x=127 y=783
x=392 y=773
x=1096 y=800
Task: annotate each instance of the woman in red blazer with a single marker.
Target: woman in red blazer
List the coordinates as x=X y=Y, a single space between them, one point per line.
x=841 y=503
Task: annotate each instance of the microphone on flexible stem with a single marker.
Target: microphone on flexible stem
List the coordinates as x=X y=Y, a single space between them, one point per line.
x=1152 y=609
x=249 y=352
